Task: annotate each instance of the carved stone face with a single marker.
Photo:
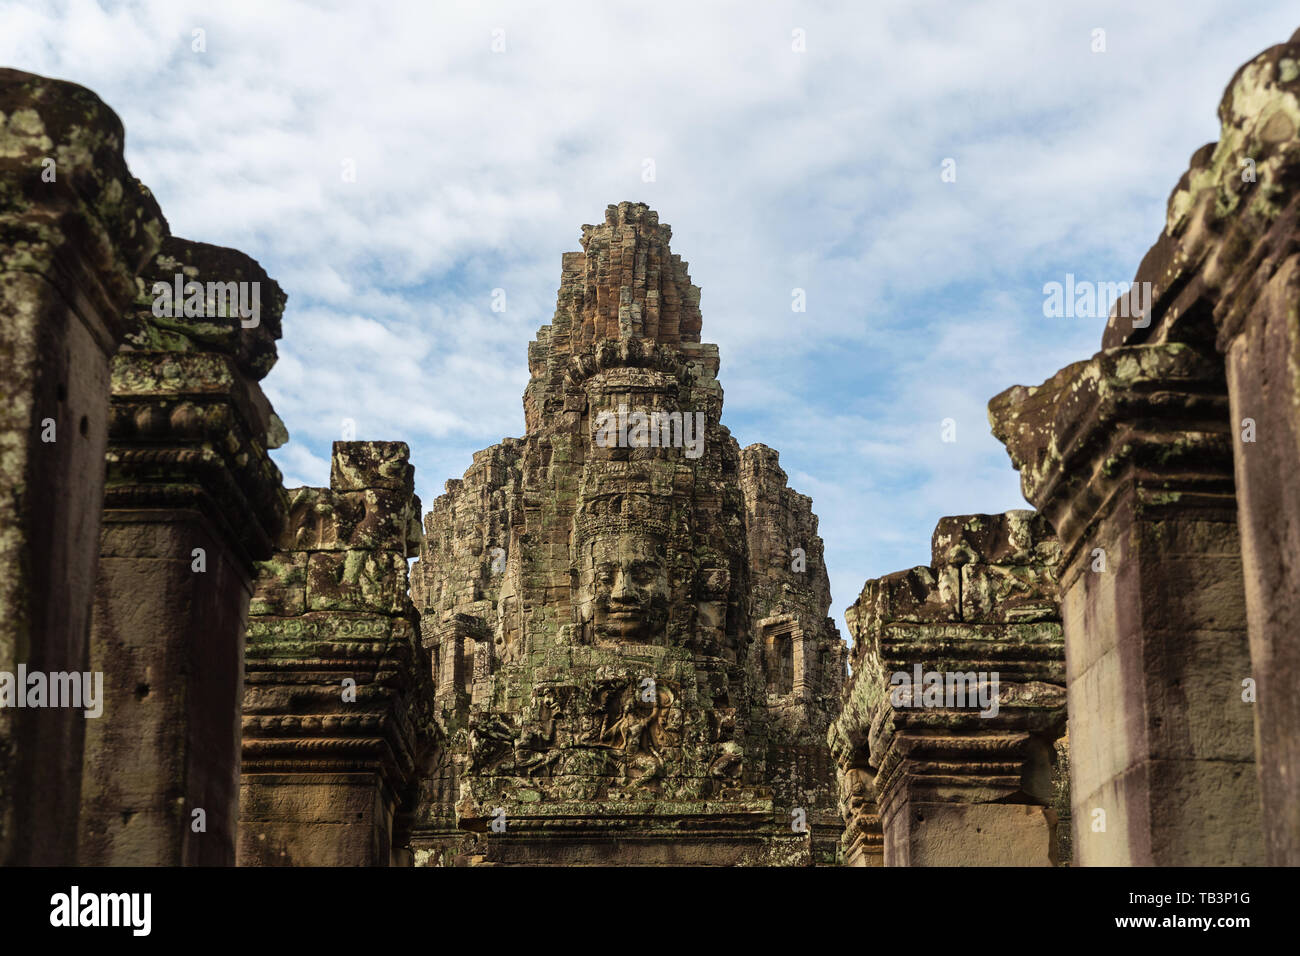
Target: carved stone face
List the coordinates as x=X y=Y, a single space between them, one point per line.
x=858 y=794
x=627 y=597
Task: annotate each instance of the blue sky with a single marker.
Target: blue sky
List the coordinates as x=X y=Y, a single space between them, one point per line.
x=777 y=169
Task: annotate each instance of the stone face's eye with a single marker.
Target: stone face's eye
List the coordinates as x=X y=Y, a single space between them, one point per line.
x=643 y=574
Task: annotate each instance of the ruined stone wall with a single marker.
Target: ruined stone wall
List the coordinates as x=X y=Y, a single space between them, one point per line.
x=636 y=708
x=338 y=696
x=1164 y=465
x=166 y=445
x=957 y=771
x=617 y=651
x=589 y=604
x=138 y=494
x=1136 y=478
x=1228 y=254
x=465 y=525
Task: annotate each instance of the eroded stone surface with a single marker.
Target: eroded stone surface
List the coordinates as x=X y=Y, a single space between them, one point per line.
x=621 y=652
x=1151 y=455
x=957 y=779
x=1227 y=266
x=337 y=726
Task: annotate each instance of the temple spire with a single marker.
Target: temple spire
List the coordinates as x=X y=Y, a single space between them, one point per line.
x=626 y=283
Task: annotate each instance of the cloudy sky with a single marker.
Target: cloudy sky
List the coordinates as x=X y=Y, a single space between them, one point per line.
x=792 y=146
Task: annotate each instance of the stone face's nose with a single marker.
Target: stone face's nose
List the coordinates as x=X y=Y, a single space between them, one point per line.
x=626 y=283
x=623 y=589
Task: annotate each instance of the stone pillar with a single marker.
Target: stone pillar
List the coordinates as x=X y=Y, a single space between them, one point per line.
x=1262 y=365
x=1230 y=250
x=192 y=501
x=1129 y=456
x=803 y=672
x=339 y=695
x=74 y=229
x=958 y=697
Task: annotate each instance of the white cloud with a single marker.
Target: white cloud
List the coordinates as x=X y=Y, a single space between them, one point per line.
x=819 y=170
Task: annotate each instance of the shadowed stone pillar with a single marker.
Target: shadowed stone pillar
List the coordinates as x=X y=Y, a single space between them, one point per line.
x=1228 y=262
x=339 y=696
x=74 y=229
x=1129 y=455
x=957 y=699
x=192 y=501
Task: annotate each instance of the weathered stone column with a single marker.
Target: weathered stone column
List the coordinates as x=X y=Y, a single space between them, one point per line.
x=1229 y=252
x=338 y=702
x=958 y=697
x=74 y=229
x=1129 y=456
x=192 y=501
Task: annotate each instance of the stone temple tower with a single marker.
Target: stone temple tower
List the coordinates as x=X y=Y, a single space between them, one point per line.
x=626 y=613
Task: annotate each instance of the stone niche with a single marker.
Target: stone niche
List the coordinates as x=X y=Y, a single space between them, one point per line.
x=780 y=636
x=339 y=695
x=591 y=595
x=946 y=744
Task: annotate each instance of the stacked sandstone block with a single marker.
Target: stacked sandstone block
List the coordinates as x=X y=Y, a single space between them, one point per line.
x=566 y=738
x=1135 y=473
x=627 y=283
x=75 y=227
x=790 y=594
x=957 y=781
x=1165 y=466
x=338 y=698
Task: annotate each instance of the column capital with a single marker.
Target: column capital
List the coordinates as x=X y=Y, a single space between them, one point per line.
x=72 y=212
x=1153 y=416
x=189 y=426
